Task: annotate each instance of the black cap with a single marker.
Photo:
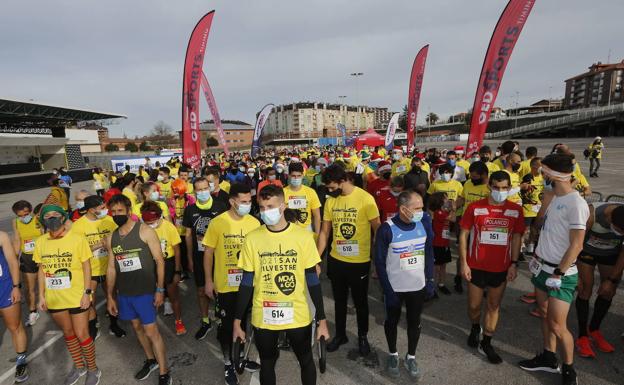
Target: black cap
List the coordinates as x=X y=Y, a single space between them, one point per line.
x=92 y=201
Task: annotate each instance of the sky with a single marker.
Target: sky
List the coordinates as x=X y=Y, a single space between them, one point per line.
x=127 y=57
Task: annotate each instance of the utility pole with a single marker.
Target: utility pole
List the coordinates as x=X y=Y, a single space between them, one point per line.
x=356 y=75
x=517 y=108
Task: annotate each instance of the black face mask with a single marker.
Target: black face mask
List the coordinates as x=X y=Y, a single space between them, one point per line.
x=515 y=167
x=476 y=181
x=386 y=175
x=120 y=220
x=485 y=158
x=335 y=194
x=53 y=223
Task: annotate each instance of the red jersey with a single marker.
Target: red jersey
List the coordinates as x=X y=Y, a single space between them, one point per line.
x=387 y=204
x=375 y=187
x=441 y=228
x=491 y=229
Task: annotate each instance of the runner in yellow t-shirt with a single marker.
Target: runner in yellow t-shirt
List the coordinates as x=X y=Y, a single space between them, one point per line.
x=279 y=261
x=351 y=213
x=303 y=200
x=151 y=214
x=223 y=241
x=95 y=226
x=446 y=184
x=475 y=189
x=401 y=165
x=184 y=174
x=99 y=181
x=164 y=182
x=525 y=165
x=512 y=165
x=485 y=155
x=149 y=192
x=64 y=279
x=532 y=186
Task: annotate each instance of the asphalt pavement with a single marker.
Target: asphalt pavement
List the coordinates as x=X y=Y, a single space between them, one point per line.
x=442 y=355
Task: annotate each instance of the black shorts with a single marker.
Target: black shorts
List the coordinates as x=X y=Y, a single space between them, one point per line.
x=98 y=278
x=27 y=265
x=593 y=261
x=169 y=270
x=442 y=255
x=483 y=279
x=73 y=310
x=198 y=269
x=528 y=221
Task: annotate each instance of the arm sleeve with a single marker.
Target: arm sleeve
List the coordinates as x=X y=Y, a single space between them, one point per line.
x=314 y=288
x=429 y=257
x=245 y=293
x=382 y=242
x=186 y=218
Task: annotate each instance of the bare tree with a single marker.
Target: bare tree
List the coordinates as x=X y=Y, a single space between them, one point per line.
x=161 y=129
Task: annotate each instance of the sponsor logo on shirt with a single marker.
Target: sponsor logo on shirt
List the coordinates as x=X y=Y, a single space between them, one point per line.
x=501 y=222
x=511 y=213
x=481 y=211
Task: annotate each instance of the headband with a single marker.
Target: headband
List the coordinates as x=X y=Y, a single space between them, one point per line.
x=556 y=175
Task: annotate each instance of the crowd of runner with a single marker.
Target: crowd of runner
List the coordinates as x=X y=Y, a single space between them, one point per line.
x=254 y=234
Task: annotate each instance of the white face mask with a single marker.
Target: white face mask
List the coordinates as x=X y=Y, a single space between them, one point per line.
x=160 y=178
x=445 y=177
x=271 y=217
x=211 y=186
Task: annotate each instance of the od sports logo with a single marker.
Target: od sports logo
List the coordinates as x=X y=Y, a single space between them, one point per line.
x=347 y=230
x=286 y=282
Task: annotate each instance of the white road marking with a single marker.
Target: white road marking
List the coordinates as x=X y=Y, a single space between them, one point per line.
x=56 y=335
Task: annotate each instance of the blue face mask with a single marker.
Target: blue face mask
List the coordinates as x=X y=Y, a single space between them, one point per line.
x=271 y=217
x=499 y=196
x=80 y=205
x=203 y=196
x=243 y=210
x=418 y=216
x=26 y=219
x=452 y=162
x=154 y=195
x=296 y=182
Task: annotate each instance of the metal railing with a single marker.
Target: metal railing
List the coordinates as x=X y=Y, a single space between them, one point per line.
x=594 y=197
x=615 y=198
x=580 y=115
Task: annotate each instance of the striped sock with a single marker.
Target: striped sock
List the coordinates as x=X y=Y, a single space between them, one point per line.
x=74 y=350
x=21 y=359
x=88 y=351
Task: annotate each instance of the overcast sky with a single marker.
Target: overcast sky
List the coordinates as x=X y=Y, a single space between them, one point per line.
x=126 y=56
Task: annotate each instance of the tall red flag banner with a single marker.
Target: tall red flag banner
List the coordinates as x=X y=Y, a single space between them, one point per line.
x=193 y=63
x=501 y=46
x=216 y=118
x=413 y=99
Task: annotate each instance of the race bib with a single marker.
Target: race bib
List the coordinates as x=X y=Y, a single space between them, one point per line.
x=29 y=246
x=58 y=282
x=297 y=203
x=234 y=277
x=536 y=208
x=413 y=260
x=446 y=234
x=163 y=246
x=535 y=266
x=401 y=169
x=200 y=245
x=178 y=222
x=498 y=238
x=348 y=248
x=277 y=313
x=129 y=262
x=100 y=252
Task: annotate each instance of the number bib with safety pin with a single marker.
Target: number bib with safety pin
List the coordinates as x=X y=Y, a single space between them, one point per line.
x=200 y=245
x=298 y=202
x=536 y=208
x=348 y=248
x=100 y=252
x=58 y=282
x=277 y=313
x=496 y=237
x=446 y=234
x=535 y=266
x=400 y=169
x=234 y=277
x=413 y=260
x=29 y=246
x=129 y=262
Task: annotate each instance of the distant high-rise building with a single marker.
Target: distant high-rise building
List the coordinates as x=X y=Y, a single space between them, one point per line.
x=599 y=86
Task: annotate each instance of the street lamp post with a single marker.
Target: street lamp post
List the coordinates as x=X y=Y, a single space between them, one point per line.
x=356 y=75
x=517 y=108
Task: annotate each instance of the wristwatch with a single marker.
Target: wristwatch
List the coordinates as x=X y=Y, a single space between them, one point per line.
x=19 y=285
x=88 y=292
x=160 y=290
x=558 y=272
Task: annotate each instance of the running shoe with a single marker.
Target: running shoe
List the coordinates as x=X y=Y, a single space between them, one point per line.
x=203 y=330
x=568 y=377
x=535 y=312
x=392 y=365
x=21 y=373
x=528 y=298
x=584 y=348
x=167 y=309
x=601 y=342
x=230 y=375
x=540 y=363
x=148 y=367
x=473 y=338
x=115 y=330
x=444 y=290
x=32 y=318
x=412 y=367
x=335 y=343
x=251 y=366
x=74 y=375
x=165 y=379
x=93 y=377
x=363 y=346
x=179 y=327
x=488 y=351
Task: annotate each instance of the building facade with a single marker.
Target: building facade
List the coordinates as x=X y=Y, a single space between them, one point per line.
x=316 y=120
x=601 y=85
x=238 y=135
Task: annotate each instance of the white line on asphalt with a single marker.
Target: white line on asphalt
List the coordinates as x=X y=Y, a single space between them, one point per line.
x=56 y=335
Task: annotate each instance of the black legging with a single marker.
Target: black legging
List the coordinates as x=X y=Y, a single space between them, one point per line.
x=345 y=276
x=413 y=305
x=300 y=341
x=593 y=170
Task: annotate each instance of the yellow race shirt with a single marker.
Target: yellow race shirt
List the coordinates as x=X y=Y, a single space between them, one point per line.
x=189 y=188
x=165 y=189
x=95 y=232
x=61 y=261
x=452 y=188
x=534 y=198
x=169 y=237
x=131 y=195
x=225 y=186
x=28 y=233
x=472 y=193
x=163 y=206
x=278 y=261
x=463 y=163
x=303 y=202
x=180 y=205
x=514 y=193
x=491 y=167
x=498 y=162
x=350 y=216
x=226 y=235
x=401 y=167
x=99 y=181
x=582 y=184
x=525 y=168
